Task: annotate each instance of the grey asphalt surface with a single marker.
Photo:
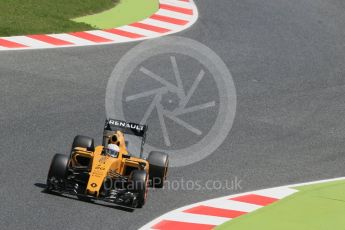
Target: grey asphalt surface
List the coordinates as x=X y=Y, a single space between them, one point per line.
x=287 y=59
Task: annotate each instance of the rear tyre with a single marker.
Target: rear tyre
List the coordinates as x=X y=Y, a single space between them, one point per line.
x=84 y=142
x=57 y=170
x=159 y=163
x=139 y=184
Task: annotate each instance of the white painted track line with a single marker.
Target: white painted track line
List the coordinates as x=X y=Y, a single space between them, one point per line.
x=232 y=205
x=194 y=218
x=29 y=41
x=166 y=25
x=132 y=29
x=176 y=3
x=73 y=39
x=277 y=193
x=107 y=35
x=173 y=14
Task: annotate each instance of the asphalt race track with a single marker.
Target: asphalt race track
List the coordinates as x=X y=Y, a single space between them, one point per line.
x=287 y=59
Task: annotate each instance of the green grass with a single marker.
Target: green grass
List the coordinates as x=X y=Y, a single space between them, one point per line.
x=120 y=15
x=314 y=207
x=19 y=17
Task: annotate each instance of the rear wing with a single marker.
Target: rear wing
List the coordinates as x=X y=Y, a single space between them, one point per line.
x=125 y=127
x=130 y=128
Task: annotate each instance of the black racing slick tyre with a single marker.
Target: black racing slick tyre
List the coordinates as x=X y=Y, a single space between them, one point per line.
x=84 y=142
x=158 y=163
x=57 y=170
x=139 y=184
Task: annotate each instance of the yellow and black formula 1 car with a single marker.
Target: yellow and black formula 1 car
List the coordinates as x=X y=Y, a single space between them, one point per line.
x=108 y=172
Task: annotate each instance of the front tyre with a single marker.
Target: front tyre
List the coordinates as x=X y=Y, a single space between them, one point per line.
x=139 y=184
x=57 y=171
x=84 y=142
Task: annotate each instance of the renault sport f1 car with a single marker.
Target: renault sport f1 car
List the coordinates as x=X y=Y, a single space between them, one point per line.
x=108 y=172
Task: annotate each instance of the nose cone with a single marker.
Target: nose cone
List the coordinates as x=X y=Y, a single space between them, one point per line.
x=99 y=172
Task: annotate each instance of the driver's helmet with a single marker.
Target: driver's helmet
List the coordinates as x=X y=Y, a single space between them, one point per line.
x=113 y=150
